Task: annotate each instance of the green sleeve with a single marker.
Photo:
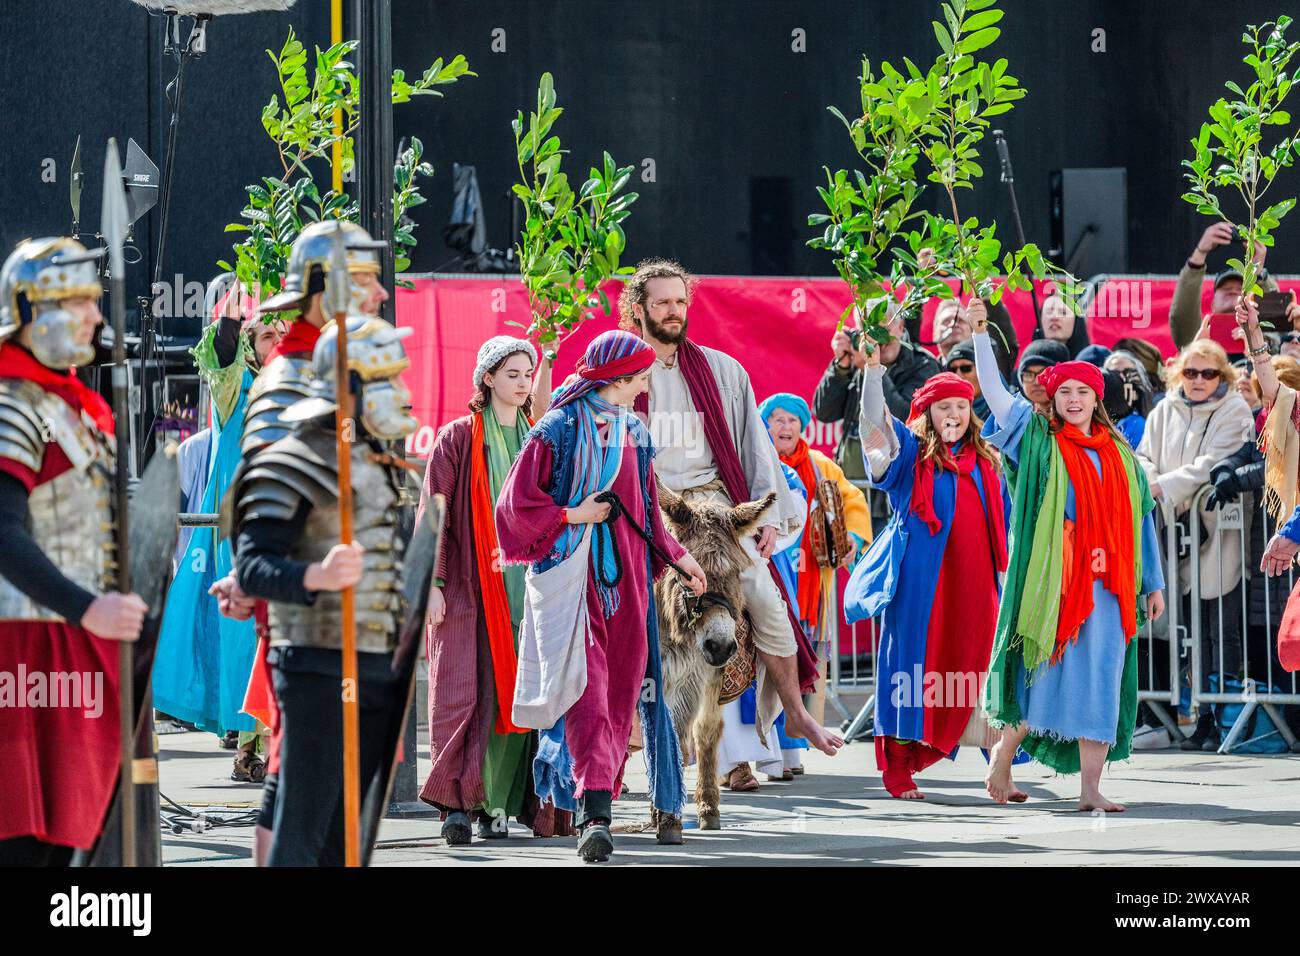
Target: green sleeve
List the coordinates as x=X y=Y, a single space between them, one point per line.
x=223 y=383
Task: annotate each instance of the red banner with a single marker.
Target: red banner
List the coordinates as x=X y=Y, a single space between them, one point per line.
x=779 y=329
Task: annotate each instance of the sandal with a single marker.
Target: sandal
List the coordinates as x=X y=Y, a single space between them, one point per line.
x=249 y=768
x=741 y=780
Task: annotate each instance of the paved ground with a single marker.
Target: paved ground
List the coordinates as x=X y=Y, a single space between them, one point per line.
x=1183 y=809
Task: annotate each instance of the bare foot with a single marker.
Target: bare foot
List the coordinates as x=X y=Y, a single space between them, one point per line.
x=1095 y=801
x=817 y=735
x=998 y=783
x=911 y=795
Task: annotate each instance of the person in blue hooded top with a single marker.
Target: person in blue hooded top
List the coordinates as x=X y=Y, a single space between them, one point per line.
x=931 y=576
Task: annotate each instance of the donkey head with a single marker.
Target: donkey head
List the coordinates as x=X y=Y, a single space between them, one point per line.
x=712 y=534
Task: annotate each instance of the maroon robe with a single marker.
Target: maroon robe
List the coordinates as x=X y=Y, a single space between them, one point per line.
x=462 y=692
x=598 y=727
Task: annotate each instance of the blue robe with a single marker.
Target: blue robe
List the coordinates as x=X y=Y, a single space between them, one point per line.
x=896 y=581
x=204 y=660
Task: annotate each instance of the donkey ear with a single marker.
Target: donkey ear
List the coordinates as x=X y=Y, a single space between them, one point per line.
x=674 y=507
x=745 y=517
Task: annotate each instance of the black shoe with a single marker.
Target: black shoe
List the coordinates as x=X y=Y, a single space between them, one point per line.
x=456 y=830
x=1211 y=742
x=488 y=829
x=596 y=843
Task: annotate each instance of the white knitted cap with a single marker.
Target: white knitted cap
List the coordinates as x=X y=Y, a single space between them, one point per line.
x=497 y=349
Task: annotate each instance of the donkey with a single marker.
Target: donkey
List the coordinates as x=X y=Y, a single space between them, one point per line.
x=698 y=637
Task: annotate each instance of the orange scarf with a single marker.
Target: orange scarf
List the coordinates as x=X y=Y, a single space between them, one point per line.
x=496 y=608
x=1102 y=545
x=810 y=578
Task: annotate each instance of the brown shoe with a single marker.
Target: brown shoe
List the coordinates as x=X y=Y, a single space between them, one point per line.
x=741 y=780
x=249 y=768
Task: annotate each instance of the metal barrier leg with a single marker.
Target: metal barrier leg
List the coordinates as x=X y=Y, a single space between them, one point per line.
x=833 y=699
x=1167 y=721
x=857 y=727
x=1280 y=723
x=1238 y=727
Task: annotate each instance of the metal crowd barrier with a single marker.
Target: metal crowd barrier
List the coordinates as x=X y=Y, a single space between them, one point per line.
x=1169 y=650
x=1251 y=697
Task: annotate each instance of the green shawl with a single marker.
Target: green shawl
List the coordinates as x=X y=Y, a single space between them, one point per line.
x=1026 y=630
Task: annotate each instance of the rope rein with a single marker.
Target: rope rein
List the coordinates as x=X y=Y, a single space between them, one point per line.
x=617 y=509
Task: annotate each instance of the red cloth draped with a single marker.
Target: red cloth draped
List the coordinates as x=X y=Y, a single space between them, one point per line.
x=17 y=362
x=810 y=579
x=301 y=337
x=966 y=460
x=496 y=607
x=1103 y=535
x=60 y=762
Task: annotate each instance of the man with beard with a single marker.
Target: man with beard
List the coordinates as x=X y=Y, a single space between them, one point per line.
x=712 y=444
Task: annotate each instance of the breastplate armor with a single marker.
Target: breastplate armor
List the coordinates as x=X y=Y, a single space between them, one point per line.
x=71 y=515
x=284 y=381
x=302 y=467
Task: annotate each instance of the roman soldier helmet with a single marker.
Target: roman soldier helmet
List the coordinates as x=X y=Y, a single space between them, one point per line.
x=35 y=279
x=309 y=261
x=376 y=359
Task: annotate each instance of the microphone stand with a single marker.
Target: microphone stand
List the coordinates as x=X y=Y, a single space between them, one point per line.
x=151 y=328
x=1008 y=177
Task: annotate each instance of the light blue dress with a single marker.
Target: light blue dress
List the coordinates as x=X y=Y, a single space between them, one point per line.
x=1078 y=698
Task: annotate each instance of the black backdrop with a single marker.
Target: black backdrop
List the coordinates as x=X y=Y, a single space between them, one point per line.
x=711 y=92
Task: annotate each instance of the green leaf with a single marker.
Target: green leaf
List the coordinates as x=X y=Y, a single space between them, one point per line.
x=941 y=34
x=981 y=20
x=978 y=40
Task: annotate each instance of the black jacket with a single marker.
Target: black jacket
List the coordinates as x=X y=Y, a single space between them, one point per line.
x=839 y=394
x=1243 y=472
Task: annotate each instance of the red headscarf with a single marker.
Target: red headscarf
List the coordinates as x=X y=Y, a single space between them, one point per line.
x=1054 y=376
x=941 y=386
x=950 y=385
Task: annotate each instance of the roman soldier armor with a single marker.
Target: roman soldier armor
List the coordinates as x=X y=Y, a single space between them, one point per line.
x=288 y=379
x=72 y=513
x=302 y=467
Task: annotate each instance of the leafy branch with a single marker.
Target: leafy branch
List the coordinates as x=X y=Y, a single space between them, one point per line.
x=1229 y=150
x=571 y=242
x=940 y=115
x=300 y=121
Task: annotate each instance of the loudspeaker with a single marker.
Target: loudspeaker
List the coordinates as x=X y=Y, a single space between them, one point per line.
x=1090 y=220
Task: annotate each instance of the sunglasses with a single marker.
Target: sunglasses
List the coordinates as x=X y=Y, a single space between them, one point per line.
x=1209 y=374
x=961 y=368
x=1291 y=337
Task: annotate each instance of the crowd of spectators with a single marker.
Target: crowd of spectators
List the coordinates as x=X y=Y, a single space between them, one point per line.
x=1192 y=419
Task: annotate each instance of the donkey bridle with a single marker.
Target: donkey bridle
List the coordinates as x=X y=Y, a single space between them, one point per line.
x=695 y=606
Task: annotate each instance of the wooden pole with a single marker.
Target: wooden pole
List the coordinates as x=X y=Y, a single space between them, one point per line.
x=336 y=151
x=339 y=293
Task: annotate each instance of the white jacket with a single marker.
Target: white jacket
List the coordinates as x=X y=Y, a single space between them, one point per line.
x=1180 y=446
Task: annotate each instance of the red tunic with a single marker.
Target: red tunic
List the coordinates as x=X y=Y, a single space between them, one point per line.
x=59 y=765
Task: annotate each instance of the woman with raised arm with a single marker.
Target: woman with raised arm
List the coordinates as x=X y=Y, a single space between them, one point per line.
x=932 y=574
x=1083 y=575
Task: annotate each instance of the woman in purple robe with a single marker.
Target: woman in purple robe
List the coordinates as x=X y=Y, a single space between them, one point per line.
x=548 y=514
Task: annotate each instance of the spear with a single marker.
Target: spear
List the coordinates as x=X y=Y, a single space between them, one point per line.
x=338 y=294
x=113 y=224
